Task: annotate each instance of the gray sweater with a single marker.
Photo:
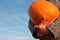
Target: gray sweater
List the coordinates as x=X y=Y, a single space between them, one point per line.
x=55 y=28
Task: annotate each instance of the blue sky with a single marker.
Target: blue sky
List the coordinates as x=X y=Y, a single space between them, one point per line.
x=14 y=20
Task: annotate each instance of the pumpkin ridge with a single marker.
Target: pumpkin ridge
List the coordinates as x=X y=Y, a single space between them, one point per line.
x=43 y=9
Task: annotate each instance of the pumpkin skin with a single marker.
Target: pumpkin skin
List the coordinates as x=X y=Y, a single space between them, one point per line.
x=43 y=10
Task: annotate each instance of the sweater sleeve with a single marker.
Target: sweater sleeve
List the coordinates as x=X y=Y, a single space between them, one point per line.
x=55 y=28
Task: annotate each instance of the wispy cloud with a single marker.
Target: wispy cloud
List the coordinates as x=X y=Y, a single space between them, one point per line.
x=17 y=1
x=13 y=22
x=14 y=37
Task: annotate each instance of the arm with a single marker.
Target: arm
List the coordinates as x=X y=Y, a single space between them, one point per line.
x=34 y=32
x=55 y=28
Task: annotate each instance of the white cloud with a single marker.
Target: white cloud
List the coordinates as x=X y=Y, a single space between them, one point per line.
x=15 y=37
x=14 y=26
x=18 y=1
x=11 y=23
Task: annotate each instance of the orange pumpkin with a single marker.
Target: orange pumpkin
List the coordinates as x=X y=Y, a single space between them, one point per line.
x=43 y=10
